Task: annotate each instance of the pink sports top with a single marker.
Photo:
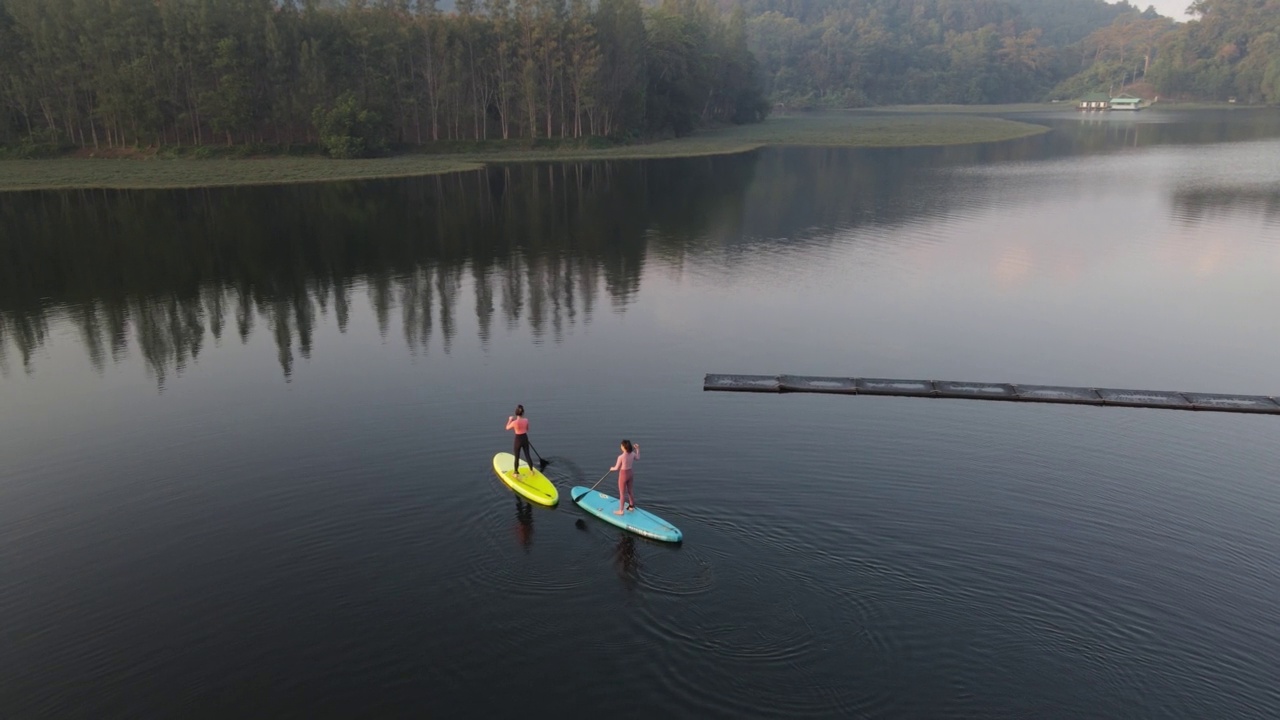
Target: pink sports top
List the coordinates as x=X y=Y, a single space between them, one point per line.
x=626 y=459
x=521 y=425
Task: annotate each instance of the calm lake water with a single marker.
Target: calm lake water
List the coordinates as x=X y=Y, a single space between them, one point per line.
x=246 y=435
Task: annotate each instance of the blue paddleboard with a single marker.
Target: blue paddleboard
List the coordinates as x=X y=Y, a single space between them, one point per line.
x=639 y=521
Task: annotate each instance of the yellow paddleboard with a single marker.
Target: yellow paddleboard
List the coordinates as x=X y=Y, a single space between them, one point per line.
x=531 y=484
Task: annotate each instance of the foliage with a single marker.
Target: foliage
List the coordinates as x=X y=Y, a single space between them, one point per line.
x=1067 y=23
x=1231 y=49
x=816 y=53
x=860 y=52
x=348 y=130
x=1117 y=55
x=359 y=76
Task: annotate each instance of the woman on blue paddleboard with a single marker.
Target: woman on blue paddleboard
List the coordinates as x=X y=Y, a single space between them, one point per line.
x=626 y=498
x=520 y=424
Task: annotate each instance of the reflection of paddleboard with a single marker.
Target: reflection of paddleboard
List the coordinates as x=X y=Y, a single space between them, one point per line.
x=639 y=521
x=531 y=484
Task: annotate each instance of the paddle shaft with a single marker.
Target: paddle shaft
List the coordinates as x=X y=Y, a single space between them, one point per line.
x=535 y=452
x=593 y=487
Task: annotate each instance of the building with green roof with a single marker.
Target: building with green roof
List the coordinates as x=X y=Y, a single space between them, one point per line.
x=1126 y=102
x=1095 y=101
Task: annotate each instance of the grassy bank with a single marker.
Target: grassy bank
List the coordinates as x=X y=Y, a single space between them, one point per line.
x=860 y=129
x=1202 y=105
x=1064 y=106
x=974 y=109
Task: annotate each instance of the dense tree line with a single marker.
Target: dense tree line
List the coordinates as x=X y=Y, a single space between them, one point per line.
x=816 y=53
x=1066 y=22
x=1118 y=55
x=359 y=75
x=1230 y=49
x=861 y=52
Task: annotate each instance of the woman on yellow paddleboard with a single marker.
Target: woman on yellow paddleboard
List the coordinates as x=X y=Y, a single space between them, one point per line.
x=520 y=424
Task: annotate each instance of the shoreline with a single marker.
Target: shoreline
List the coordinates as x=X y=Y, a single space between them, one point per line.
x=901 y=128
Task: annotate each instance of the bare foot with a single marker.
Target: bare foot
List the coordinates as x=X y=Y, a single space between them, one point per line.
x=617 y=512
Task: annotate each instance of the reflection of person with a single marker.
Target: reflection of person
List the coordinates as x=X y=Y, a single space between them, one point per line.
x=626 y=498
x=520 y=424
x=524 y=523
x=628 y=564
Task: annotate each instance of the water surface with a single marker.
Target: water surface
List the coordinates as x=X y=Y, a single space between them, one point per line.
x=246 y=437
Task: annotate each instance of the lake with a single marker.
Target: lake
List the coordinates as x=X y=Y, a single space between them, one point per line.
x=246 y=437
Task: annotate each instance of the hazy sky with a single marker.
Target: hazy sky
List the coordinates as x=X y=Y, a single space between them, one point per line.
x=1175 y=9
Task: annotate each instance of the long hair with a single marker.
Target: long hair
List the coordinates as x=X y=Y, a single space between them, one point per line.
x=626 y=445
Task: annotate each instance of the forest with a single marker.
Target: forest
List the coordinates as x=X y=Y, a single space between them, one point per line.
x=871 y=52
x=365 y=77
x=1232 y=49
x=361 y=76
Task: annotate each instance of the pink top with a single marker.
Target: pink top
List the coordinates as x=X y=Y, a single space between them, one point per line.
x=521 y=425
x=626 y=459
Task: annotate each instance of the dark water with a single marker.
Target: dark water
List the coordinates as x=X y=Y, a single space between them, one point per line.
x=245 y=437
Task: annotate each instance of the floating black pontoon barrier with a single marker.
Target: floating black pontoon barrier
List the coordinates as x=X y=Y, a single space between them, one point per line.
x=1233 y=403
x=884 y=386
x=976 y=391
x=1056 y=394
x=801 y=383
x=742 y=383
x=1211 y=402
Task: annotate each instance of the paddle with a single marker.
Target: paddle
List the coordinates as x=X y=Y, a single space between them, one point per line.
x=542 y=464
x=593 y=487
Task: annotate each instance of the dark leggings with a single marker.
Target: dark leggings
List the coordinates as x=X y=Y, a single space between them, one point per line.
x=521 y=441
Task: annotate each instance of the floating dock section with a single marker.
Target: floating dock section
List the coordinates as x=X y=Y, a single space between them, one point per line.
x=1260 y=404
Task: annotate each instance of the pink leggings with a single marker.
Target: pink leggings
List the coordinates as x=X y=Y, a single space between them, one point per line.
x=625 y=496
